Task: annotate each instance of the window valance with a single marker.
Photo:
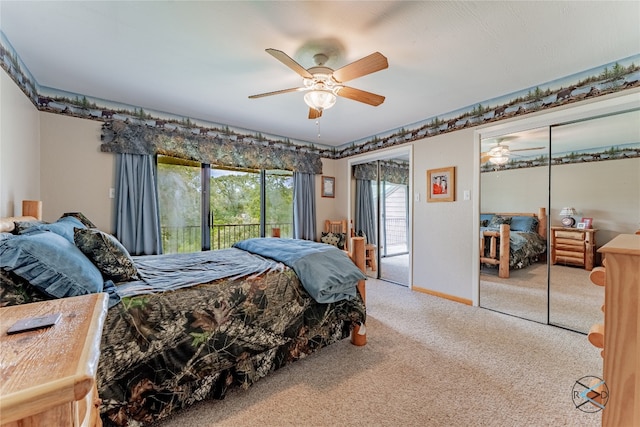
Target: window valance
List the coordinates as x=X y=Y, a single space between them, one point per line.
x=396 y=172
x=220 y=150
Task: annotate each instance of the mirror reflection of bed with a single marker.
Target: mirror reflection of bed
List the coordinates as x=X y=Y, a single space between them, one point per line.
x=522 y=291
x=588 y=156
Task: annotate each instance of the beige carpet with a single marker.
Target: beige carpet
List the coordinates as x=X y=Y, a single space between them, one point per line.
x=395 y=269
x=428 y=362
x=574 y=302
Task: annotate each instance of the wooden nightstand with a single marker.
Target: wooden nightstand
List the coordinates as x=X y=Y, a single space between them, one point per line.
x=48 y=375
x=573 y=246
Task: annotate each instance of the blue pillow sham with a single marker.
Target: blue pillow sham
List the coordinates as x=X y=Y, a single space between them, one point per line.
x=50 y=263
x=527 y=224
x=484 y=219
x=64 y=227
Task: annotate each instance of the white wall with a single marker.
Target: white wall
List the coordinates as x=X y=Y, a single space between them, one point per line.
x=19 y=148
x=76 y=175
x=328 y=207
x=514 y=190
x=608 y=192
x=442 y=231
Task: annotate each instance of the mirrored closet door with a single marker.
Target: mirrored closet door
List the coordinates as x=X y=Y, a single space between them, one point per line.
x=514 y=190
x=381 y=200
x=587 y=175
x=595 y=173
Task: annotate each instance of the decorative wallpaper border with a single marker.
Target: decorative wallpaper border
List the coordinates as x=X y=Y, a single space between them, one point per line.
x=609 y=78
x=134 y=138
x=616 y=152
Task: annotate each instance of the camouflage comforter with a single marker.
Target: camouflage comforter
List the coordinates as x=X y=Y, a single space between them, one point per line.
x=162 y=351
x=524 y=249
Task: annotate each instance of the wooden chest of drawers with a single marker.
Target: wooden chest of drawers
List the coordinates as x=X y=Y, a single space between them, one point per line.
x=48 y=375
x=621 y=364
x=573 y=246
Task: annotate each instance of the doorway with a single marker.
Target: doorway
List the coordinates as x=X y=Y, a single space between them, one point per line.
x=393 y=216
x=382 y=211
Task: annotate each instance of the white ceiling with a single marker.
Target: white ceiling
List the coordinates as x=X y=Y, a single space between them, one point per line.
x=203 y=59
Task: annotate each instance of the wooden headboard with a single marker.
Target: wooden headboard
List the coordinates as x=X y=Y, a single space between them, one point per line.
x=541 y=215
x=31 y=211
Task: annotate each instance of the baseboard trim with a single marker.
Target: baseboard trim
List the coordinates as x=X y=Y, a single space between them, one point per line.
x=443 y=295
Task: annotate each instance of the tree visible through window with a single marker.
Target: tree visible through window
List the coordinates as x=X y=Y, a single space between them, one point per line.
x=237 y=209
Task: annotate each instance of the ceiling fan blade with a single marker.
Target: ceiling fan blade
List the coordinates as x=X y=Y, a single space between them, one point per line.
x=289 y=62
x=484 y=157
x=527 y=149
x=360 y=95
x=277 y=92
x=367 y=65
x=314 y=114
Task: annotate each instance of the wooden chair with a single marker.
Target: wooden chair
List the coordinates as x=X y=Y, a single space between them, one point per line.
x=369 y=254
x=337 y=227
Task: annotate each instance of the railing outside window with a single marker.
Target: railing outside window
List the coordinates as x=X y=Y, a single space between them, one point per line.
x=187 y=238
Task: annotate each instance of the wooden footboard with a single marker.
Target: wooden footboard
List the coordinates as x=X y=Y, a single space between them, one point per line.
x=498 y=249
x=357 y=255
x=498 y=241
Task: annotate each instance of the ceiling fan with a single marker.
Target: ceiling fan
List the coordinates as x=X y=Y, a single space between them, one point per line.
x=500 y=153
x=324 y=84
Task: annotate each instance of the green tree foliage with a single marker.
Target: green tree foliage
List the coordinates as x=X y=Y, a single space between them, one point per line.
x=179 y=199
x=234 y=200
x=279 y=203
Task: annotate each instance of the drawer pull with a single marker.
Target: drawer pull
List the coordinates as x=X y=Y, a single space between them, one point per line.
x=596 y=335
x=598 y=276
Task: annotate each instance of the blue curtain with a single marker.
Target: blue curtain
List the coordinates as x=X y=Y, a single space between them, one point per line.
x=304 y=206
x=137 y=213
x=365 y=220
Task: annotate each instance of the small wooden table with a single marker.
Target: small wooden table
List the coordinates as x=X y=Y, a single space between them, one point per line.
x=573 y=246
x=370 y=255
x=47 y=376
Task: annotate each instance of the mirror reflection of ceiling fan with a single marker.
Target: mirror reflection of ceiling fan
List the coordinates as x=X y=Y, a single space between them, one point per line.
x=323 y=84
x=500 y=153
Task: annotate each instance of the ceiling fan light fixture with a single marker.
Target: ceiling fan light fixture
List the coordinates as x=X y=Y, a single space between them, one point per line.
x=320 y=99
x=499 y=155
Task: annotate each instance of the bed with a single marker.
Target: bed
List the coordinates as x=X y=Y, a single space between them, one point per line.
x=512 y=240
x=172 y=339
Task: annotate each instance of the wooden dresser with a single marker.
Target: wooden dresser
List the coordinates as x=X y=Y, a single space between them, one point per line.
x=47 y=376
x=621 y=340
x=573 y=246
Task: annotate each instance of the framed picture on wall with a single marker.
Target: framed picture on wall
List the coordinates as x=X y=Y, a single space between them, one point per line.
x=328 y=186
x=441 y=184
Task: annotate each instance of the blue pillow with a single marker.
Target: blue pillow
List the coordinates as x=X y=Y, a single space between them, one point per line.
x=528 y=224
x=484 y=219
x=63 y=227
x=51 y=264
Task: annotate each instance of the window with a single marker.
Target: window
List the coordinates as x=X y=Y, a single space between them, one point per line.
x=231 y=205
x=279 y=202
x=179 y=194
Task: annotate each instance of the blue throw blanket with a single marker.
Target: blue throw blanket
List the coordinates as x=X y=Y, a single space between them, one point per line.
x=170 y=272
x=326 y=272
